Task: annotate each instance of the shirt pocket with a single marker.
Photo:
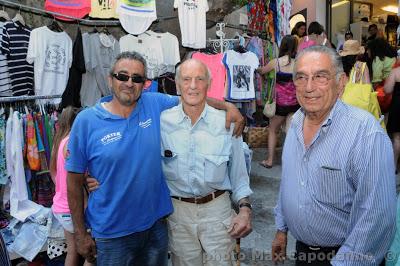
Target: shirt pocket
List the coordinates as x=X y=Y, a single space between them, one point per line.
x=215 y=168
x=332 y=186
x=170 y=166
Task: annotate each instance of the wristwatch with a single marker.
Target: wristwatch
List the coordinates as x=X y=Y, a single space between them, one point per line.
x=246 y=204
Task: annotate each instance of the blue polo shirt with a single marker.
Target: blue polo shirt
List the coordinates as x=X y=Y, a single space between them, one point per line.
x=123 y=154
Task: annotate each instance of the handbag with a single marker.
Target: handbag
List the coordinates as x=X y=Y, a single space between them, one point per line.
x=362 y=95
x=269 y=109
x=384 y=99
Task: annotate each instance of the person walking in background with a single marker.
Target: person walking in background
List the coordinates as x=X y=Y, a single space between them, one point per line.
x=338 y=192
x=352 y=57
x=286 y=102
x=382 y=57
x=299 y=30
x=392 y=86
x=315 y=36
x=60 y=206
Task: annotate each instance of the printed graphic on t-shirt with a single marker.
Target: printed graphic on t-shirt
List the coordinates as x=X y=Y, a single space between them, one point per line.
x=190 y=4
x=112 y=137
x=145 y=124
x=55 y=59
x=241 y=77
x=106 y=4
x=137 y=3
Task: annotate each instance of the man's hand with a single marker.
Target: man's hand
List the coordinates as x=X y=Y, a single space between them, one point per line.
x=92 y=183
x=279 y=247
x=86 y=246
x=241 y=224
x=234 y=116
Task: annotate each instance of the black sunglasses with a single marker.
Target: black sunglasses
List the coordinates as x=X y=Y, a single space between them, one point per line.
x=124 y=77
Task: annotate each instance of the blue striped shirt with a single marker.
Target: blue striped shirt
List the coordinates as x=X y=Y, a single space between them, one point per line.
x=340 y=190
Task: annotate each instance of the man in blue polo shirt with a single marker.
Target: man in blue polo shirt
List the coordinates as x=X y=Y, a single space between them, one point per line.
x=118 y=142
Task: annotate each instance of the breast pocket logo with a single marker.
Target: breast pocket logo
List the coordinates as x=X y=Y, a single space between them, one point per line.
x=112 y=137
x=145 y=124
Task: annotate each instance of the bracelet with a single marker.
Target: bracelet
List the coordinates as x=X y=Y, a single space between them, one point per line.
x=246 y=204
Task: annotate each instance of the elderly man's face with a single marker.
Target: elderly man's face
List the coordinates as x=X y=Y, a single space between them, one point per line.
x=317 y=96
x=127 y=92
x=193 y=83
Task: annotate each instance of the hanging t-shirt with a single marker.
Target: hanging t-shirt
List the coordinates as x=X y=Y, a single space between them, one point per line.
x=71 y=93
x=240 y=67
x=192 y=21
x=136 y=16
x=51 y=53
x=218 y=72
x=14 y=45
x=73 y=8
x=149 y=48
x=89 y=93
x=5 y=86
x=170 y=49
x=100 y=51
x=103 y=9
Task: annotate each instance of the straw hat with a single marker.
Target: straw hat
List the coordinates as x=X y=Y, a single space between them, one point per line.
x=351 y=47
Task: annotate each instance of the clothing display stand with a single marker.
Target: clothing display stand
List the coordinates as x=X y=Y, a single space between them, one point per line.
x=27 y=98
x=221 y=45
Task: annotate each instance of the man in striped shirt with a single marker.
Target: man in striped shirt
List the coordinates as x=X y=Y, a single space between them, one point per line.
x=337 y=194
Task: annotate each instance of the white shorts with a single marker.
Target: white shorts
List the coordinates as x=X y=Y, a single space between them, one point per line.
x=65 y=221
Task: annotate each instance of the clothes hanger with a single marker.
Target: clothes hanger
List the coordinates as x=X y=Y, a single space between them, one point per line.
x=18 y=17
x=4 y=15
x=55 y=26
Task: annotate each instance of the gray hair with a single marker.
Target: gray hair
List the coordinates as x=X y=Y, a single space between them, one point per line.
x=334 y=56
x=130 y=56
x=178 y=70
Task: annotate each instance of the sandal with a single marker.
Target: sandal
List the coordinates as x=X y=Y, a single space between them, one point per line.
x=264 y=164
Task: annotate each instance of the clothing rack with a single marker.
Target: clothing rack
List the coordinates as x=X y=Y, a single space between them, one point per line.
x=221 y=43
x=40 y=11
x=27 y=98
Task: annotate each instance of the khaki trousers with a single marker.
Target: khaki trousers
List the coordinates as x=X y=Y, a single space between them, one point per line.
x=198 y=233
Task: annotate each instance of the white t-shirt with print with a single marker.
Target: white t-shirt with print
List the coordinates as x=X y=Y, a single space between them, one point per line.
x=241 y=67
x=51 y=53
x=192 y=21
x=149 y=48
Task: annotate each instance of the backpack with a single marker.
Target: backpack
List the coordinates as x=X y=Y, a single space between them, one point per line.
x=362 y=95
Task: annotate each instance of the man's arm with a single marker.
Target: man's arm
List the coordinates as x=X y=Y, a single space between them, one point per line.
x=373 y=213
x=241 y=224
x=232 y=115
x=85 y=244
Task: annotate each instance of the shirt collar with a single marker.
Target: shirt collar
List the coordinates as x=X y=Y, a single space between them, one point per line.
x=103 y=113
x=203 y=114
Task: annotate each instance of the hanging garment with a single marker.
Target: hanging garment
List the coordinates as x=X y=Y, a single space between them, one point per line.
x=256 y=46
x=5 y=83
x=3 y=164
x=14 y=45
x=218 y=73
x=240 y=68
x=149 y=47
x=51 y=53
x=192 y=21
x=71 y=93
x=256 y=14
x=73 y=8
x=32 y=154
x=136 y=16
x=170 y=50
x=99 y=51
x=20 y=206
x=103 y=9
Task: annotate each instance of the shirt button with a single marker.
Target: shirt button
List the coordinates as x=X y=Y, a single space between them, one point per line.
x=305 y=159
x=302 y=183
x=301 y=206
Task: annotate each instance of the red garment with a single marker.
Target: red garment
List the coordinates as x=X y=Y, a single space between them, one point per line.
x=218 y=73
x=73 y=8
x=256 y=15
